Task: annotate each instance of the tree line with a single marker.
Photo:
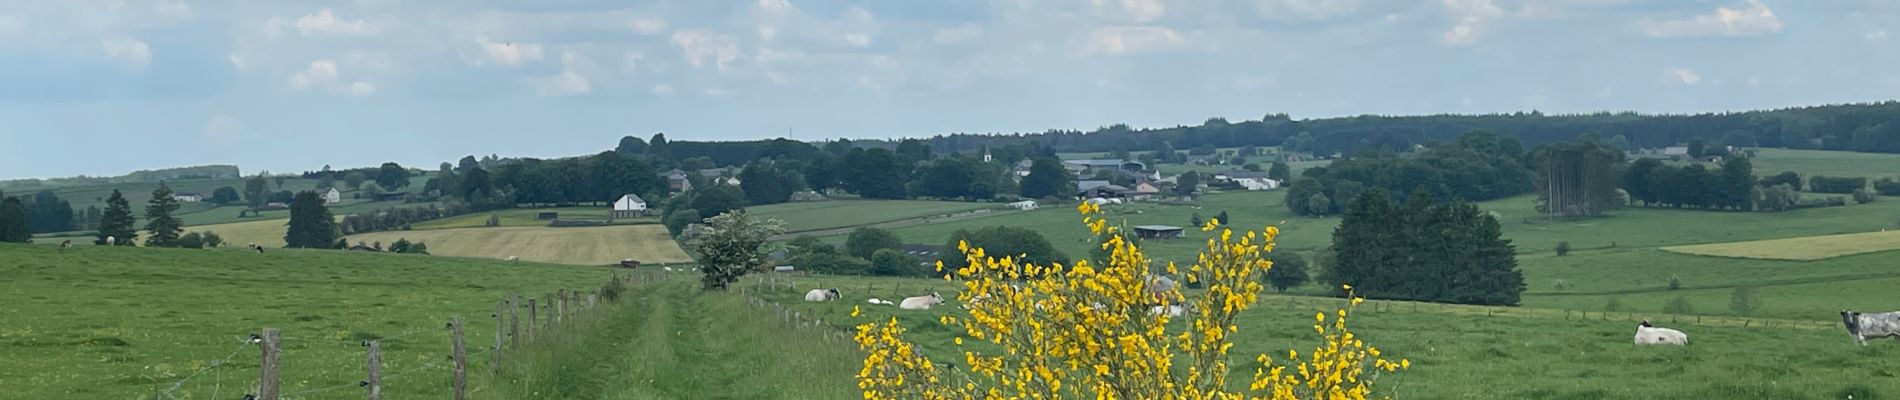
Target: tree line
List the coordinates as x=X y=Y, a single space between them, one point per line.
x=1478 y=166
x=1423 y=250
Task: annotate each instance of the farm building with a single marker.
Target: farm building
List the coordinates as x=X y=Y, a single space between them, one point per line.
x=1102 y=189
x=1090 y=166
x=1022 y=168
x=330 y=195
x=187 y=197
x=676 y=180
x=1251 y=180
x=1157 y=232
x=389 y=196
x=1024 y=205
x=629 y=206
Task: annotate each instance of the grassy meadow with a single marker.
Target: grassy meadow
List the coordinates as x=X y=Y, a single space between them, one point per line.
x=527 y=217
x=104 y=322
x=824 y=215
x=601 y=245
x=1827 y=163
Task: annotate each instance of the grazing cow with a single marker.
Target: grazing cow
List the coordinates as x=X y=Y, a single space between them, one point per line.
x=878 y=301
x=514 y=258
x=1875 y=325
x=111 y=241
x=821 y=295
x=1650 y=334
x=921 y=302
x=65 y=244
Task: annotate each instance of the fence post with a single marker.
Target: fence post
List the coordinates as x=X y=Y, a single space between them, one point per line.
x=593 y=300
x=514 y=320
x=531 y=317
x=550 y=305
x=560 y=306
x=271 y=364
x=495 y=362
x=375 y=382
x=461 y=355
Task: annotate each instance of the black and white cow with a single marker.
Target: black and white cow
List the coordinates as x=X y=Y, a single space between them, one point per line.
x=1875 y=325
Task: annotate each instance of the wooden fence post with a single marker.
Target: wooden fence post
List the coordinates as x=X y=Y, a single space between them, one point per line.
x=593 y=300
x=375 y=383
x=531 y=317
x=560 y=305
x=550 y=305
x=271 y=364
x=494 y=363
x=461 y=358
x=514 y=320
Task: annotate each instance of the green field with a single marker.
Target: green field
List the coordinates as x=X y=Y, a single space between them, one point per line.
x=833 y=214
x=1799 y=249
x=1827 y=163
x=205 y=213
x=527 y=217
x=102 y=322
x=601 y=245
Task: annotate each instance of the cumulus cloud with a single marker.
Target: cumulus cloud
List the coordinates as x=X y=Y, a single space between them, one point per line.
x=567 y=83
x=1470 y=15
x=1311 y=10
x=1138 y=11
x=1122 y=40
x=646 y=26
x=326 y=23
x=129 y=51
x=223 y=127
x=1874 y=35
x=174 y=9
x=857 y=39
x=1685 y=76
x=1753 y=19
x=509 y=54
x=700 y=47
x=322 y=74
x=662 y=90
x=960 y=34
x=238 y=61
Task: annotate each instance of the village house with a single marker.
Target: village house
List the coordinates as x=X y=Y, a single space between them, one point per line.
x=629 y=206
x=330 y=196
x=187 y=197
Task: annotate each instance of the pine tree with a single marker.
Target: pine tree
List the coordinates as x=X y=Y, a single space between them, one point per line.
x=1223 y=218
x=159 y=221
x=13 y=221
x=311 y=225
x=117 y=222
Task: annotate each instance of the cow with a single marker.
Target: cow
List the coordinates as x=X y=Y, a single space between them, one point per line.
x=1875 y=325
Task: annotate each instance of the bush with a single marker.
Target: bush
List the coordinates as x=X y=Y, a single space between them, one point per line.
x=831 y=263
x=889 y=262
x=212 y=240
x=679 y=219
x=1744 y=302
x=1678 y=306
x=1289 y=271
x=1674 y=282
x=1789 y=177
x=494 y=220
x=1563 y=248
x=1887 y=187
x=1831 y=184
x=865 y=242
x=1864 y=196
x=191 y=240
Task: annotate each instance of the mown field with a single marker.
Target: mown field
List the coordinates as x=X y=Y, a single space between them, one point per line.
x=101 y=322
x=1469 y=355
x=527 y=217
x=1799 y=249
x=573 y=246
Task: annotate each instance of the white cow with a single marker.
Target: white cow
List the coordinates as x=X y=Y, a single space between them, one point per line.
x=1171 y=311
x=921 y=302
x=821 y=295
x=878 y=301
x=1650 y=334
x=1875 y=325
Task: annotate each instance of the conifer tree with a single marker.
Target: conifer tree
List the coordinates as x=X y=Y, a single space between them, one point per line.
x=117 y=222
x=165 y=228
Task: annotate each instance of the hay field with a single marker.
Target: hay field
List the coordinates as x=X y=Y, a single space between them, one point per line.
x=1799 y=249
x=575 y=246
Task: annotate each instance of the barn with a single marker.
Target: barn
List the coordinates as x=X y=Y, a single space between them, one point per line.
x=1157 y=232
x=629 y=206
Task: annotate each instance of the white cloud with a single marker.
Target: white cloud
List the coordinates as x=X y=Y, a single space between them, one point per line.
x=323 y=74
x=1138 y=11
x=274 y=27
x=1120 y=40
x=509 y=54
x=647 y=26
x=1291 y=10
x=777 y=77
x=238 y=61
x=1875 y=35
x=960 y=34
x=223 y=127
x=566 y=83
x=1470 y=16
x=767 y=33
x=1755 y=19
x=700 y=46
x=326 y=23
x=716 y=92
x=174 y=9
x=857 y=39
x=774 y=5
x=662 y=90
x=319 y=73
x=1685 y=75
x=130 y=51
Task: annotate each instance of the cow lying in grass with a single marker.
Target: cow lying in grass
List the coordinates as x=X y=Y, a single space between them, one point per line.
x=1875 y=325
x=1650 y=334
x=821 y=295
x=921 y=302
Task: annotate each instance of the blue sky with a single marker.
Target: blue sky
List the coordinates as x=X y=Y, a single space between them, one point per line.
x=104 y=87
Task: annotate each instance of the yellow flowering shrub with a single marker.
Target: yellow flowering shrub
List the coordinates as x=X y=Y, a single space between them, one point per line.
x=1103 y=331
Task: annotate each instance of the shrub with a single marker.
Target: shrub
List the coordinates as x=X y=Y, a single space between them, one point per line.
x=1679 y=306
x=831 y=263
x=191 y=240
x=1563 y=248
x=1744 y=302
x=889 y=262
x=679 y=219
x=1289 y=271
x=212 y=240
x=1073 y=310
x=865 y=242
x=1864 y=196
x=494 y=220
x=1887 y=187
x=1831 y=184
x=1674 y=282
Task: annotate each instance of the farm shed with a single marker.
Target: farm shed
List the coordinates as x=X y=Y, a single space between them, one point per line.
x=1024 y=205
x=629 y=206
x=1157 y=232
x=187 y=197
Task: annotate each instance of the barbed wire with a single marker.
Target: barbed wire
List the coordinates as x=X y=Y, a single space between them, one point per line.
x=215 y=364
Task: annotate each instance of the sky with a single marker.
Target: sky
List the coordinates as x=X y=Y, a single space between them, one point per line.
x=103 y=87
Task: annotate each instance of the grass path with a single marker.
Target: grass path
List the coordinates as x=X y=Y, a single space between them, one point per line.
x=670 y=340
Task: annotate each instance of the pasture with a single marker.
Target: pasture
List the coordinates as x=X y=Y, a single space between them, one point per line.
x=813 y=216
x=105 y=322
x=1828 y=163
x=1799 y=249
x=601 y=245
x=527 y=217
x=1467 y=355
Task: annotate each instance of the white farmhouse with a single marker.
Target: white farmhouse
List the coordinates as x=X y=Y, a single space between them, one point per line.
x=629 y=206
x=330 y=195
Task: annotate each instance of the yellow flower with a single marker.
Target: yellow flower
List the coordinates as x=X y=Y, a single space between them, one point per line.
x=855 y=311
